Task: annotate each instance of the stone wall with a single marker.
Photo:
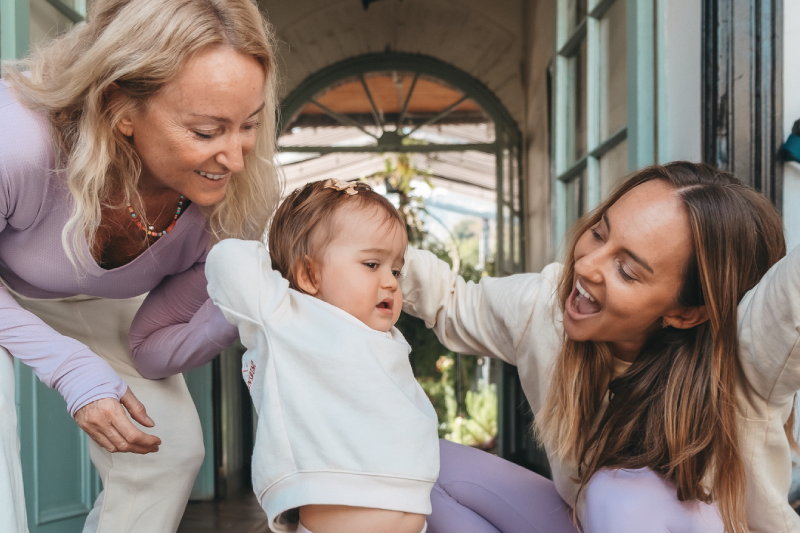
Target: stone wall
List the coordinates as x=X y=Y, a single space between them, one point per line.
x=481 y=38
x=539 y=43
x=506 y=44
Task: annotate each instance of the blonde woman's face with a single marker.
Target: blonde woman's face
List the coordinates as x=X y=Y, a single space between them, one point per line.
x=360 y=268
x=197 y=130
x=629 y=270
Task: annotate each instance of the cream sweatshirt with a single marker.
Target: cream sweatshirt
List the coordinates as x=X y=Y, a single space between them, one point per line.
x=342 y=420
x=517 y=319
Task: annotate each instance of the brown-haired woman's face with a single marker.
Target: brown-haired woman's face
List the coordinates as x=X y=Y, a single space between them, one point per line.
x=629 y=270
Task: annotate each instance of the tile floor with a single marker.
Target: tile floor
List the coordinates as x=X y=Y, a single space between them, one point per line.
x=239 y=515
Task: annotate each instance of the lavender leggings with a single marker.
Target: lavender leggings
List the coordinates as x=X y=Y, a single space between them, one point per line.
x=480 y=493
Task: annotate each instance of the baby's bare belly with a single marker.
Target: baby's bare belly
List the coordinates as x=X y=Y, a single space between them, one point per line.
x=346 y=519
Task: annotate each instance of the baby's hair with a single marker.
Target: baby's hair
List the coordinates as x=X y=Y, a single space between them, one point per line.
x=304 y=223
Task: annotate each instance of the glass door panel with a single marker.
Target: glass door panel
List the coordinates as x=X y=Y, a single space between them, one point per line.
x=613 y=71
x=577 y=106
x=613 y=168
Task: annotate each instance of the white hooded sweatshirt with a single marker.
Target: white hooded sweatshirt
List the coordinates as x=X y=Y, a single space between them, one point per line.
x=342 y=420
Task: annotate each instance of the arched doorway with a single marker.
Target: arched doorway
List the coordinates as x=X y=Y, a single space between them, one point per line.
x=342 y=121
x=339 y=119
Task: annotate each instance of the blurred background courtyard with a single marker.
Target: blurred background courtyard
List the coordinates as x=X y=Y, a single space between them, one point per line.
x=492 y=126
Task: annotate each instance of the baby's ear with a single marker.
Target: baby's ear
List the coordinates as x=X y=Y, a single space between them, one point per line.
x=306 y=276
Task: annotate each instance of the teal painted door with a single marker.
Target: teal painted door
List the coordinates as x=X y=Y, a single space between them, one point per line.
x=61 y=483
x=200 y=382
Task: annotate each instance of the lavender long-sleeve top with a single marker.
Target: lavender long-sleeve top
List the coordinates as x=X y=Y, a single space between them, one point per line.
x=177 y=327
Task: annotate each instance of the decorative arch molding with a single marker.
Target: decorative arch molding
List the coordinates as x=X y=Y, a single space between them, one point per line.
x=508 y=184
x=505 y=149
x=423 y=64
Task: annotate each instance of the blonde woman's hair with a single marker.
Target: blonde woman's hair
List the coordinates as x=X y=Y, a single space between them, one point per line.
x=675 y=409
x=141 y=46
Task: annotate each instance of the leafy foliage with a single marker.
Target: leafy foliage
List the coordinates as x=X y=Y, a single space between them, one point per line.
x=398 y=175
x=465 y=416
x=475 y=423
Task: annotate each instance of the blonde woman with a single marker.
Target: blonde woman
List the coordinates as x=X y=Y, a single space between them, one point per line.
x=126 y=146
x=661 y=362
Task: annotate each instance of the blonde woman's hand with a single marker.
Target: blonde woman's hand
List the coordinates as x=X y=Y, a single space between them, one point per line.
x=107 y=424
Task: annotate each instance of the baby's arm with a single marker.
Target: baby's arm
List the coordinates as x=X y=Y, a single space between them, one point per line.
x=241 y=281
x=346 y=519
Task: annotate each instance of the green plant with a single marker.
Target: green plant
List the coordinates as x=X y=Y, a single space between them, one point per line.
x=398 y=176
x=479 y=423
x=465 y=416
x=472 y=425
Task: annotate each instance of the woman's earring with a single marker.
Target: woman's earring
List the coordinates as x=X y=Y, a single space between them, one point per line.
x=664 y=323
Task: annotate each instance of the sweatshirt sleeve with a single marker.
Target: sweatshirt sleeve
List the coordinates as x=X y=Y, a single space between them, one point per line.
x=241 y=281
x=178 y=328
x=769 y=332
x=490 y=318
x=60 y=362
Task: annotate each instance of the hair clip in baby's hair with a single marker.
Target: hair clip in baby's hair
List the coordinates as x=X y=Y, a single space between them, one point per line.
x=348 y=187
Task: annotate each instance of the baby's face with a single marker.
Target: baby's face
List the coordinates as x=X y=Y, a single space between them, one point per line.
x=361 y=265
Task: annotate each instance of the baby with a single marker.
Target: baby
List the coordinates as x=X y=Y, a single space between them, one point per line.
x=345 y=434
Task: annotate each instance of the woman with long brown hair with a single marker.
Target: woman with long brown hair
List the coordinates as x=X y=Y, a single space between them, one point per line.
x=661 y=363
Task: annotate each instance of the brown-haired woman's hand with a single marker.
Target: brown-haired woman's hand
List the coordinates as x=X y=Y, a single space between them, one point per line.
x=107 y=424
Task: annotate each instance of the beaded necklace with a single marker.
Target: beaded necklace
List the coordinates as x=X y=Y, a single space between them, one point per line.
x=150 y=230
